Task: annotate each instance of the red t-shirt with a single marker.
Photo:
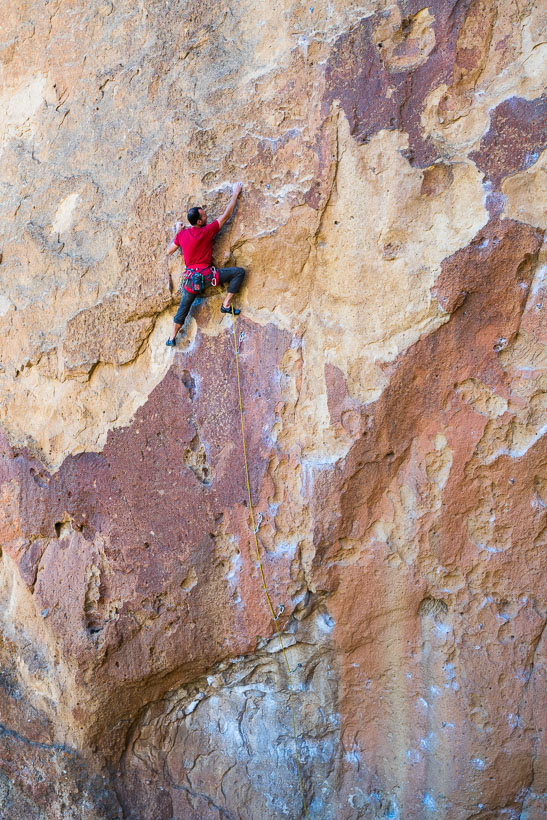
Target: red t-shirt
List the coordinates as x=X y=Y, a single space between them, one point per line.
x=196 y=245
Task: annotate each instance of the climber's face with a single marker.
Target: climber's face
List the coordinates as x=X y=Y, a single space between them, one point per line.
x=202 y=216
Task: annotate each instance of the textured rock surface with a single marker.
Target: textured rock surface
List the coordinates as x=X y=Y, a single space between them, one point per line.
x=393 y=353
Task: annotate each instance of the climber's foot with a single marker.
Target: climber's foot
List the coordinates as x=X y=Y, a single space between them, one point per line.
x=230 y=309
x=171 y=342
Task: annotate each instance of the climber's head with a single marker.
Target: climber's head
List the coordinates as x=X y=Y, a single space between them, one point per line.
x=197 y=216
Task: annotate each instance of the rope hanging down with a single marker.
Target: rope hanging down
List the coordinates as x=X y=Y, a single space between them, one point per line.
x=274 y=616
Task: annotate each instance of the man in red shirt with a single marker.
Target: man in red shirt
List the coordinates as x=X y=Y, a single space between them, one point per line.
x=196 y=244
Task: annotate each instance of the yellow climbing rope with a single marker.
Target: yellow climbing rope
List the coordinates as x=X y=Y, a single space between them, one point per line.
x=274 y=618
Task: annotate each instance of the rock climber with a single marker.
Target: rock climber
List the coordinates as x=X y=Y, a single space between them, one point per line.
x=196 y=244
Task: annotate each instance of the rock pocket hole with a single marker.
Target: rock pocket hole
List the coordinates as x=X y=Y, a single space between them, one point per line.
x=190 y=580
x=62 y=528
x=190 y=383
x=94 y=620
x=196 y=459
x=39 y=478
x=434 y=607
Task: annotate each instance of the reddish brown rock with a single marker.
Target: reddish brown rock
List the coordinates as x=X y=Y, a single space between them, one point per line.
x=155 y=526
x=517 y=135
x=404 y=537
x=381 y=73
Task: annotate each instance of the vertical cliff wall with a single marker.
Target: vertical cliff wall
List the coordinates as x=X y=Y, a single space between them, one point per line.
x=393 y=352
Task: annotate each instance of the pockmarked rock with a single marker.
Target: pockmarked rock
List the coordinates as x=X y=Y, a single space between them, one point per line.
x=392 y=353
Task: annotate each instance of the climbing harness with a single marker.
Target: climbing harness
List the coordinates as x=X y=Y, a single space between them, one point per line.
x=195 y=281
x=275 y=617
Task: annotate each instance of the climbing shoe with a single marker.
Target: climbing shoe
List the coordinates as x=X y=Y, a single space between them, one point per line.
x=233 y=310
x=171 y=342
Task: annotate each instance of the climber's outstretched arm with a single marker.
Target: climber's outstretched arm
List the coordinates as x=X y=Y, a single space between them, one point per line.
x=172 y=247
x=230 y=209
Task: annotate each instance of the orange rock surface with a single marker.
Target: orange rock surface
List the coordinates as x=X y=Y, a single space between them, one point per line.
x=393 y=358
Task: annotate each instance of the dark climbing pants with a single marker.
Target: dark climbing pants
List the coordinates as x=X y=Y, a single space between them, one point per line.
x=232 y=276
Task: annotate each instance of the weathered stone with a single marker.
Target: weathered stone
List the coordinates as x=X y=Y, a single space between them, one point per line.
x=393 y=366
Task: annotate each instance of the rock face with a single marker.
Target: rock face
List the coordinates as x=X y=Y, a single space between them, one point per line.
x=393 y=356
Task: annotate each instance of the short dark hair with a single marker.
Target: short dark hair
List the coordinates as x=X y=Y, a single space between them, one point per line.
x=193 y=215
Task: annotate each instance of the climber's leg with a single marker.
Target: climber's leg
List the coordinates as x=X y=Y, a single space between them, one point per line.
x=234 y=278
x=181 y=314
